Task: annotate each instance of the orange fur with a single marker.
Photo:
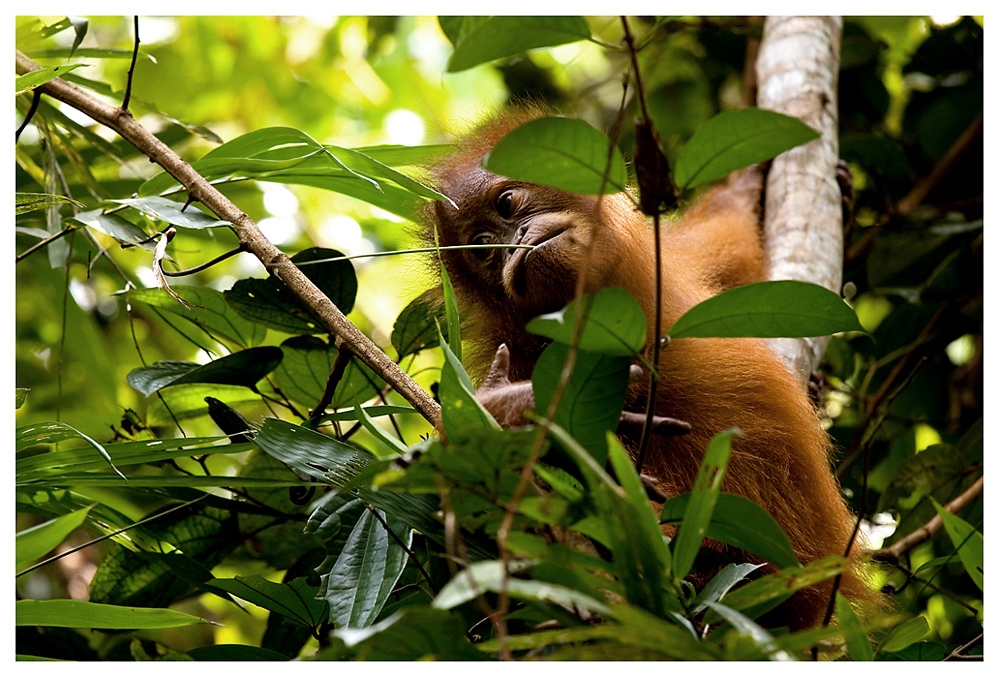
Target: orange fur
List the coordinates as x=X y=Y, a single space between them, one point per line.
x=781 y=461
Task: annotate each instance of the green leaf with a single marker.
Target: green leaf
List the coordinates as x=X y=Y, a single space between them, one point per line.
x=295 y=600
x=488 y=575
x=209 y=311
x=244 y=368
x=701 y=506
x=771 y=590
x=641 y=556
x=454 y=334
x=303 y=373
x=905 y=634
x=29 y=81
x=34 y=542
x=20 y=396
x=459 y=407
x=722 y=583
x=739 y=522
x=358 y=581
x=175 y=213
x=858 y=645
x=592 y=402
x=117 y=227
x=288 y=155
x=29 y=202
x=54 y=431
x=85 y=615
x=479 y=39
x=735 y=139
x=968 y=542
x=777 y=308
x=565 y=153
x=269 y=302
x=615 y=325
x=414 y=633
x=79 y=459
x=414 y=329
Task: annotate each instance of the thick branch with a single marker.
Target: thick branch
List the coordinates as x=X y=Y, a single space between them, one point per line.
x=893 y=553
x=250 y=236
x=797 y=70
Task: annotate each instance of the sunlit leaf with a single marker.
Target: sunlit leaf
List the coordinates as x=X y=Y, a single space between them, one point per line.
x=480 y=39
x=736 y=139
x=35 y=542
x=29 y=81
x=566 y=153
x=777 y=308
x=162 y=209
x=87 y=615
x=616 y=324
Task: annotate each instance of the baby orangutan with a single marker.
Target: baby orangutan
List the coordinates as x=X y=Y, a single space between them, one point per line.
x=780 y=462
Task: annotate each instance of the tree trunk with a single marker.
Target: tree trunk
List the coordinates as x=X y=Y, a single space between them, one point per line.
x=797 y=69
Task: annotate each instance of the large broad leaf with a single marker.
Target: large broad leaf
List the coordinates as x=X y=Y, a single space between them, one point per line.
x=208 y=311
x=616 y=324
x=202 y=537
x=35 y=542
x=592 y=402
x=269 y=302
x=739 y=522
x=339 y=464
x=478 y=39
x=415 y=327
x=562 y=152
x=967 y=541
x=244 y=368
x=704 y=495
x=777 y=308
x=175 y=213
x=736 y=139
x=295 y=600
x=288 y=155
x=305 y=369
x=906 y=634
x=86 y=615
x=117 y=227
x=358 y=580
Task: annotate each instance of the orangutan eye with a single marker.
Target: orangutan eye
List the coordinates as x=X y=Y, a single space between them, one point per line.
x=505 y=204
x=483 y=239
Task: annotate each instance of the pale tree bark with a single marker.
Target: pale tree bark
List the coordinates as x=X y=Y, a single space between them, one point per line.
x=797 y=70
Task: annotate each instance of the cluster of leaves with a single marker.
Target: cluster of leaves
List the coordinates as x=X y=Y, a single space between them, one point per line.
x=363 y=530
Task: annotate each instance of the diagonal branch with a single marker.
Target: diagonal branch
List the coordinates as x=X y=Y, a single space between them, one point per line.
x=251 y=238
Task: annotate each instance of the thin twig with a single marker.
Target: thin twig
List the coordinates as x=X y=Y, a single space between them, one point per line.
x=39 y=245
x=208 y=264
x=892 y=554
x=131 y=68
